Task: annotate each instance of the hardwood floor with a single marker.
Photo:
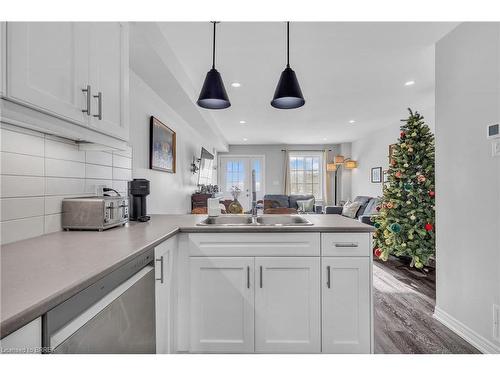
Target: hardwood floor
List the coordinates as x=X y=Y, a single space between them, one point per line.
x=404 y=302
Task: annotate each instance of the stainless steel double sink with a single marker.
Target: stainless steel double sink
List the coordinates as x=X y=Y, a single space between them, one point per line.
x=246 y=220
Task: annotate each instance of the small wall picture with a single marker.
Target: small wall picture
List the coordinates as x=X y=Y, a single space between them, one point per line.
x=161 y=146
x=377 y=175
x=392 y=149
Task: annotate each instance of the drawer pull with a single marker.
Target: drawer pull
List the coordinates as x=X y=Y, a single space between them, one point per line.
x=248 y=277
x=328 y=281
x=351 y=244
x=160 y=259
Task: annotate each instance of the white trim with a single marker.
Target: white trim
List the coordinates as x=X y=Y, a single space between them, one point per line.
x=481 y=343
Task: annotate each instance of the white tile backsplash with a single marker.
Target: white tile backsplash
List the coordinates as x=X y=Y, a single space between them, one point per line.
x=20 y=142
x=99 y=157
x=64 y=168
x=19 y=164
x=38 y=171
x=98 y=171
x=21 y=186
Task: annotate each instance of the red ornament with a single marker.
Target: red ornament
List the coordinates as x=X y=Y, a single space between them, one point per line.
x=432 y=193
x=428 y=227
x=377 y=252
x=403 y=135
x=398 y=174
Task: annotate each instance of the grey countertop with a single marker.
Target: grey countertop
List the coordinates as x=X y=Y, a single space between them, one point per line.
x=39 y=273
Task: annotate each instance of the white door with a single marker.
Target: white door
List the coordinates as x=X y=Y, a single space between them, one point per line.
x=236 y=171
x=222 y=311
x=109 y=77
x=163 y=295
x=47 y=67
x=287 y=305
x=346 y=304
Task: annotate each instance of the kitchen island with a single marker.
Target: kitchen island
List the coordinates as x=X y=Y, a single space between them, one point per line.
x=40 y=273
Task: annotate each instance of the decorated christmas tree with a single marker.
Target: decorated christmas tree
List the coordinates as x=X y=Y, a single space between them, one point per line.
x=405 y=224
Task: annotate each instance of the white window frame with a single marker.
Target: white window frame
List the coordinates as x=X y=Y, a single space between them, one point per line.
x=322 y=176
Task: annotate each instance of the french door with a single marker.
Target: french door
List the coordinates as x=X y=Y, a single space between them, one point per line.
x=236 y=171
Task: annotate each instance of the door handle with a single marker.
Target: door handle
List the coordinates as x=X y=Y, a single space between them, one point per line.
x=328 y=284
x=248 y=277
x=346 y=244
x=99 y=105
x=260 y=277
x=87 y=91
x=160 y=259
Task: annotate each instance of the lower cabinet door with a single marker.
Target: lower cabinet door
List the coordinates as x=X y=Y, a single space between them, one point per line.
x=222 y=312
x=287 y=305
x=346 y=305
x=163 y=295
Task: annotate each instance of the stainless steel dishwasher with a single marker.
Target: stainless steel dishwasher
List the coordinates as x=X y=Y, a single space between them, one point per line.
x=114 y=315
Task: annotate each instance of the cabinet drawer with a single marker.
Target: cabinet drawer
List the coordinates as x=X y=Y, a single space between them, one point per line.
x=254 y=244
x=345 y=244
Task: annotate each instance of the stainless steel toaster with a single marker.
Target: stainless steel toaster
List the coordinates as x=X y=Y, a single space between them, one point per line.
x=94 y=213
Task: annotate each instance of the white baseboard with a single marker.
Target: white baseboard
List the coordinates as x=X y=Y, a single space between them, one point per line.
x=479 y=342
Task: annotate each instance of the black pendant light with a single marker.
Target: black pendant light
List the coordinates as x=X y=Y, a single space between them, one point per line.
x=213 y=94
x=288 y=94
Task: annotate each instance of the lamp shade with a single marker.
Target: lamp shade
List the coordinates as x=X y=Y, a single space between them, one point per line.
x=213 y=94
x=288 y=94
x=331 y=167
x=339 y=159
x=351 y=164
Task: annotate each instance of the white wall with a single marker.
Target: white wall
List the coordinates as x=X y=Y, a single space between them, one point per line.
x=468 y=181
x=39 y=170
x=170 y=192
x=372 y=151
x=274 y=160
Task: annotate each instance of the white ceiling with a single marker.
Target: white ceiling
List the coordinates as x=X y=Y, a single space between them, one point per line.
x=347 y=71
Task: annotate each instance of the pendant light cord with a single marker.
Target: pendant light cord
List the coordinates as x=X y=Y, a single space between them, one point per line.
x=213 y=48
x=288 y=44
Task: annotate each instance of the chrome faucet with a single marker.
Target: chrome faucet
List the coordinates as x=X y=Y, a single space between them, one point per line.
x=254 y=197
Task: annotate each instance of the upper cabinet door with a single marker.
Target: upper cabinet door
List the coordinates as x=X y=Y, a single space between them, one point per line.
x=287 y=305
x=110 y=78
x=3 y=55
x=222 y=313
x=346 y=305
x=47 y=67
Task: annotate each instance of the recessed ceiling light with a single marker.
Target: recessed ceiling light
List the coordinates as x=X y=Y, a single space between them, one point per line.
x=324 y=139
x=236 y=84
x=243 y=122
x=245 y=139
x=409 y=83
x=352 y=121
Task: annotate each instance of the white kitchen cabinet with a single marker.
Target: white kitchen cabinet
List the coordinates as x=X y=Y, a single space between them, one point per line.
x=25 y=340
x=164 y=295
x=222 y=310
x=48 y=67
x=74 y=71
x=287 y=305
x=346 y=305
x=109 y=77
x=3 y=56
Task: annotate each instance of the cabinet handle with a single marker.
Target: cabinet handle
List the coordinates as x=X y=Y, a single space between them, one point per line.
x=248 y=277
x=346 y=245
x=99 y=105
x=260 y=277
x=328 y=284
x=161 y=269
x=87 y=91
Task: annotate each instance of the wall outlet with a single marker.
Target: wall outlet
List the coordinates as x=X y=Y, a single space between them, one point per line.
x=496 y=322
x=99 y=190
x=495 y=148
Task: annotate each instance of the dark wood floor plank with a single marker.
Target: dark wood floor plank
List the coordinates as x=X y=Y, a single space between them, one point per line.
x=404 y=300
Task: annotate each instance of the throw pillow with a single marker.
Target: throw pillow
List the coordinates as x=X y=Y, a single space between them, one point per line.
x=306 y=205
x=350 y=209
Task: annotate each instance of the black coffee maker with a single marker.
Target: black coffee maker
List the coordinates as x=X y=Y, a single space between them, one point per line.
x=138 y=189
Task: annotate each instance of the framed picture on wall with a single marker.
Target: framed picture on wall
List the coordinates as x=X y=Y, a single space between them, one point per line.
x=161 y=146
x=376 y=175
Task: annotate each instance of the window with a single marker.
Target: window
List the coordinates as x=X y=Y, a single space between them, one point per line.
x=235 y=174
x=306 y=174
